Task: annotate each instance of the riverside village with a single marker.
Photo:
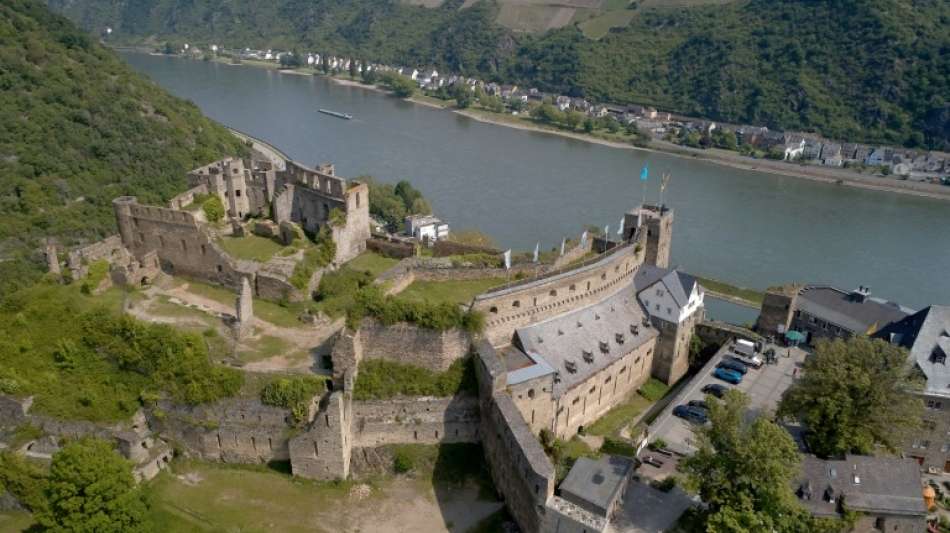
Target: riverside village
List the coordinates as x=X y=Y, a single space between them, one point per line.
x=573 y=386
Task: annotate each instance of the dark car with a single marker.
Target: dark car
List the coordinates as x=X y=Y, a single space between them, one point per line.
x=716 y=390
x=699 y=404
x=690 y=414
x=735 y=366
x=729 y=376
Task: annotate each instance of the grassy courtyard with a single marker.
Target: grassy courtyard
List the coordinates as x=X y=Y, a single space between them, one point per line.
x=618 y=417
x=279 y=315
x=457 y=292
x=371 y=262
x=252 y=247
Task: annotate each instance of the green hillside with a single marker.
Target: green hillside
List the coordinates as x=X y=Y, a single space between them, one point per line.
x=80 y=128
x=862 y=70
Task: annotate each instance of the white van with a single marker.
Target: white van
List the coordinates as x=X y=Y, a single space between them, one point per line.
x=744 y=347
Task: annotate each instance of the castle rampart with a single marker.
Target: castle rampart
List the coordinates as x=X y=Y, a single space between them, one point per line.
x=418 y=420
x=509 y=308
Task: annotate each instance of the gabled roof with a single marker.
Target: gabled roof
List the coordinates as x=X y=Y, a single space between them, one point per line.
x=858 y=315
x=679 y=284
x=605 y=331
x=927 y=335
x=874 y=485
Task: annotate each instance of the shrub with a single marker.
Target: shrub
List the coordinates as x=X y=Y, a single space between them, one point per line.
x=665 y=485
x=318 y=256
x=379 y=380
x=615 y=446
x=293 y=393
x=98 y=270
x=213 y=208
x=336 y=217
x=371 y=301
x=24 y=480
x=402 y=461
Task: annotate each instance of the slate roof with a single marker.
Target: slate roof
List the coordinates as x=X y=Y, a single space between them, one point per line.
x=840 y=308
x=566 y=337
x=874 y=485
x=927 y=335
x=593 y=484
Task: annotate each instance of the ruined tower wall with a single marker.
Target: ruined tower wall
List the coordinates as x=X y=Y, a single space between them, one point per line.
x=183 y=246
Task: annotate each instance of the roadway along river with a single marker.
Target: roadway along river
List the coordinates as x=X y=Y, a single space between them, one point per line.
x=745 y=227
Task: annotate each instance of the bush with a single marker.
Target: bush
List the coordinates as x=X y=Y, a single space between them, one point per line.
x=213 y=208
x=293 y=393
x=24 y=480
x=371 y=301
x=666 y=485
x=98 y=270
x=403 y=461
x=615 y=446
x=380 y=380
x=314 y=257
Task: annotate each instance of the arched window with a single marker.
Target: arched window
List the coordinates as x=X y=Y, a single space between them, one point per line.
x=493 y=310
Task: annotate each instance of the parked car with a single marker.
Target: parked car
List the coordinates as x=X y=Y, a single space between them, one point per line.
x=716 y=390
x=753 y=361
x=699 y=404
x=690 y=414
x=733 y=365
x=727 y=375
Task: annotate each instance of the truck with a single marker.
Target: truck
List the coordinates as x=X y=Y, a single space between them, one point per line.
x=744 y=352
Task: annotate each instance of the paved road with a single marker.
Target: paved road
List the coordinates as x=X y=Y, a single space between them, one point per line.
x=764 y=387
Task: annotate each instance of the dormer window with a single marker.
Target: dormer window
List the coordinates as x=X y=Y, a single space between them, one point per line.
x=588 y=356
x=604 y=347
x=619 y=338
x=938 y=356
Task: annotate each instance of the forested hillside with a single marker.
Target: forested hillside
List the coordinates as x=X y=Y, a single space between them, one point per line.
x=79 y=128
x=868 y=70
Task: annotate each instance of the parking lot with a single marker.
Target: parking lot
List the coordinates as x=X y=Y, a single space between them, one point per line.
x=764 y=386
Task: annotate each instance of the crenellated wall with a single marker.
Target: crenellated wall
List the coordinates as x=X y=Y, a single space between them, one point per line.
x=525 y=303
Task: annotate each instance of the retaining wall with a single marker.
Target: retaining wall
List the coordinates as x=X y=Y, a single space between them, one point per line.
x=415 y=420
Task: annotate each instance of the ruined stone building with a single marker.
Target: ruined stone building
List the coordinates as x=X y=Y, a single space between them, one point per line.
x=281 y=197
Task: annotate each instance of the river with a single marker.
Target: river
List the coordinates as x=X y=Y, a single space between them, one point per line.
x=520 y=187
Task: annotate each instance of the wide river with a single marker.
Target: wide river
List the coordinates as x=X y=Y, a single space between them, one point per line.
x=749 y=228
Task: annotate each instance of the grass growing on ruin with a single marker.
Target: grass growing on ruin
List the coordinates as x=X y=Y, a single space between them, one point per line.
x=371 y=262
x=380 y=380
x=456 y=292
x=294 y=393
x=83 y=361
x=618 y=417
x=15 y=521
x=280 y=315
x=251 y=247
x=264 y=347
x=750 y=295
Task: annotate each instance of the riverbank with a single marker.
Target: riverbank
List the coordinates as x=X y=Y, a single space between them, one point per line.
x=724 y=158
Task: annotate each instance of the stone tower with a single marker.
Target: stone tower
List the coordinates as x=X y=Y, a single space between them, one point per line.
x=123 y=217
x=245 y=308
x=658 y=222
x=52 y=259
x=778 y=306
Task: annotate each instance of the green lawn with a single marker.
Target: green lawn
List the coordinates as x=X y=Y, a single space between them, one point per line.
x=459 y=292
x=266 y=310
x=753 y=296
x=267 y=346
x=252 y=247
x=371 y=262
x=621 y=415
x=15 y=521
x=218 y=497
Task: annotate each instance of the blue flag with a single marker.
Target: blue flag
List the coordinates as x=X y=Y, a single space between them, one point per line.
x=644 y=174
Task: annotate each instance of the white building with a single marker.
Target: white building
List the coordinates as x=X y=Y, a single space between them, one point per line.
x=426 y=228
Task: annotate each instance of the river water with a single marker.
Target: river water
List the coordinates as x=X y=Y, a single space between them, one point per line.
x=745 y=227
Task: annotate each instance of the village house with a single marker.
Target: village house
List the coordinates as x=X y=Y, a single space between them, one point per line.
x=426 y=228
x=886 y=493
x=563 y=103
x=813 y=148
x=831 y=155
x=926 y=334
x=794 y=147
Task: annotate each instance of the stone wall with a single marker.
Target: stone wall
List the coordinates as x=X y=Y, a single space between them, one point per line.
x=232 y=430
x=522 y=473
x=416 y=420
x=778 y=306
x=447 y=248
x=719 y=333
x=323 y=451
x=528 y=302
x=393 y=249
x=182 y=245
x=109 y=249
x=411 y=344
x=351 y=237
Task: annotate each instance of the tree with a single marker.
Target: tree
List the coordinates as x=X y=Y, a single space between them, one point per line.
x=547 y=114
x=325 y=63
x=91 y=489
x=369 y=75
x=463 y=97
x=588 y=125
x=353 y=68
x=572 y=118
x=290 y=60
x=743 y=471
x=213 y=208
x=612 y=125
x=852 y=396
x=400 y=85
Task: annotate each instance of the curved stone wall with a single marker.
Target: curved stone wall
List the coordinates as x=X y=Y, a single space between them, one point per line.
x=519 y=305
